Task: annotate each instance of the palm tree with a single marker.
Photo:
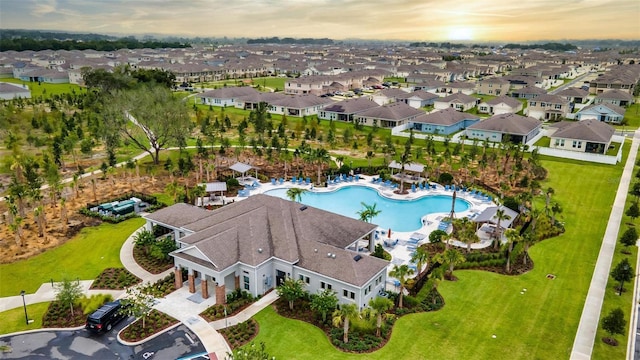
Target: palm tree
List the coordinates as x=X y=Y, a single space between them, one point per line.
x=342 y=317
x=466 y=232
x=285 y=156
x=450 y=258
x=420 y=257
x=199 y=191
x=404 y=159
x=369 y=157
x=499 y=216
x=527 y=241
x=38 y=214
x=369 y=212
x=401 y=273
x=320 y=158
x=380 y=305
x=295 y=194
x=547 y=199
x=556 y=209
x=513 y=237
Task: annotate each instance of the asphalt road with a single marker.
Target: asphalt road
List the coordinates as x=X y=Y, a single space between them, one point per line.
x=80 y=344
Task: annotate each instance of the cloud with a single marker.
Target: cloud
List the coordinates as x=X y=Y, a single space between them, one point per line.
x=374 y=19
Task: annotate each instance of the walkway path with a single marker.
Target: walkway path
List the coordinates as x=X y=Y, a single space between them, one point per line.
x=247 y=313
x=586 y=334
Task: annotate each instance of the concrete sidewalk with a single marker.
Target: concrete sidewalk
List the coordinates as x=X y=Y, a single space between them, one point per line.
x=586 y=334
x=247 y=313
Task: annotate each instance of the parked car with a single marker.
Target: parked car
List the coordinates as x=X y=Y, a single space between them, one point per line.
x=105 y=318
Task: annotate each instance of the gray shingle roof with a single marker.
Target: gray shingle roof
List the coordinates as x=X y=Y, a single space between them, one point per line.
x=458 y=98
x=615 y=108
x=588 y=130
x=448 y=116
x=228 y=92
x=393 y=111
x=260 y=227
x=615 y=95
x=508 y=100
x=300 y=101
x=351 y=106
x=508 y=124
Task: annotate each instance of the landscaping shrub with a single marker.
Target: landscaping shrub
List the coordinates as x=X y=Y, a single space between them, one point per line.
x=445 y=179
x=240 y=334
x=155 y=322
x=114 y=279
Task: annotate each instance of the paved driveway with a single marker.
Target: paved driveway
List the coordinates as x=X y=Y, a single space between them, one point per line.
x=79 y=344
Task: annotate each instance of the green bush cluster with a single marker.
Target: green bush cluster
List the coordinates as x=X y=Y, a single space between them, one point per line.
x=240 y=334
x=484 y=263
x=236 y=301
x=93 y=303
x=162 y=287
x=114 y=279
x=358 y=342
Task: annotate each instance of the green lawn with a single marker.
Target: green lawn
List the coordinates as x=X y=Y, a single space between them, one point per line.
x=540 y=324
x=45 y=89
x=13 y=320
x=632 y=117
x=84 y=257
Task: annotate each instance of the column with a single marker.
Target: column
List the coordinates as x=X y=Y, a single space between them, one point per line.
x=237 y=282
x=192 y=282
x=178 y=277
x=204 y=284
x=221 y=295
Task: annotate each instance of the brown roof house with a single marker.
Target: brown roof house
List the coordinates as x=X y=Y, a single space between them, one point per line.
x=549 y=107
x=458 y=101
x=498 y=128
x=347 y=109
x=388 y=116
x=500 y=105
x=254 y=244
x=591 y=136
x=614 y=97
x=443 y=122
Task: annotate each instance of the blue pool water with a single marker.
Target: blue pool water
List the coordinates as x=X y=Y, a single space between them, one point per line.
x=398 y=215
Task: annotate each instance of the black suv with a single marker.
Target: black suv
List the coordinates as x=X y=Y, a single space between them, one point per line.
x=106 y=317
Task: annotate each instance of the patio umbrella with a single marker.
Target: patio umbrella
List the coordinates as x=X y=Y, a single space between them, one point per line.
x=389 y=233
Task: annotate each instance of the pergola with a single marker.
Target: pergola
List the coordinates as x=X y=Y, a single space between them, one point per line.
x=415 y=168
x=242 y=168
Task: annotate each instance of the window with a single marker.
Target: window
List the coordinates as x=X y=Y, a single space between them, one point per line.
x=532 y=103
x=246 y=282
x=324 y=285
x=352 y=295
x=558 y=106
x=348 y=294
x=304 y=278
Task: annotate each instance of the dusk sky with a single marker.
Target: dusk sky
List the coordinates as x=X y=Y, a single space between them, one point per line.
x=423 y=20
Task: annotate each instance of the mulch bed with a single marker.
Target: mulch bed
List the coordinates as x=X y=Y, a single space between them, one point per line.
x=241 y=334
x=115 y=279
x=150 y=264
x=155 y=322
x=58 y=315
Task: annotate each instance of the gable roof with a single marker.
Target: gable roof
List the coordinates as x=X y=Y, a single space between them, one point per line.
x=300 y=101
x=458 y=98
x=615 y=94
x=393 y=111
x=260 y=227
x=597 y=109
x=351 y=106
x=507 y=100
x=588 y=130
x=446 y=117
x=573 y=92
x=418 y=94
x=549 y=98
x=508 y=123
x=229 y=92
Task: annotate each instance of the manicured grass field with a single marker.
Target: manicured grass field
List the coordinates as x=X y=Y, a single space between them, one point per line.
x=539 y=324
x=13 y=320
x=84 y=257
x=45 y=90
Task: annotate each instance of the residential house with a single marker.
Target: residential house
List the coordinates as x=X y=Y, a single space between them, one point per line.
x=604 y=112
x=527 y=92
x=574 y=95
x=620 y=77
x=443 y=122
x=498 y=128
x=614 y=97
x=548 y=107
x=386 y=96
x=347 y=109
x=459 y=101
x=500 y=105
x=257 y=243
x=304 y=85
x=388 y=116
x=10 y=91
x=226 y=96
x=493 y=86
x=590 y=136
x=417 y=99
x=466 y=88
x=299 y=105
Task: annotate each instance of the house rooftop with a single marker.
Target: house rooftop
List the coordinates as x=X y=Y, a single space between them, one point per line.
x=588 y=130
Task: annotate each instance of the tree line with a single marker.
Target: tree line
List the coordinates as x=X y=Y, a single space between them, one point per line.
x=24 y=43
x=288 y=40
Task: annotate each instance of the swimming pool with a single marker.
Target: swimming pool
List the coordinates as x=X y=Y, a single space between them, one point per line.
x=398 y=215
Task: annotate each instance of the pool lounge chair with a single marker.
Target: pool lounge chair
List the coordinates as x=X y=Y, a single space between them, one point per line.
x=273 y=181
x=293 y=179
x=413 y=187
x=281 y=181
x=357 y=177
x=307 y=181
x=421 y=186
